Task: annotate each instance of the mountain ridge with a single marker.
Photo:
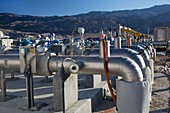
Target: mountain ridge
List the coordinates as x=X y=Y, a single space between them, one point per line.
x=138 y=19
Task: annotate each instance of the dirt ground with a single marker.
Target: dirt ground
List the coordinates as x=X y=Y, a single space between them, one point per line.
x=161 y=88
x=160 y=95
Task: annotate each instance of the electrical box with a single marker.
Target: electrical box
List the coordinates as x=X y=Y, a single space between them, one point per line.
x=27 y=57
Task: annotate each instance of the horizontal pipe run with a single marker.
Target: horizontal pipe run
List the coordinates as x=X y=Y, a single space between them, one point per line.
x=11 y=62
x=120 y=53
x=124 y=67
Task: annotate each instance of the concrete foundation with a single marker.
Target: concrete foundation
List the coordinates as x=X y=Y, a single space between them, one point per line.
x=133 y=97
x=152 y=71
x=82 y=106
x=66 y=95
x=93 y=80
x=95 y=94
x=3 y=95
x=65 y=92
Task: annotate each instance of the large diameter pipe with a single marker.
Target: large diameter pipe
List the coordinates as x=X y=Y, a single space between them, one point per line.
x=42 y=60
x=124 y=52
x=145 y=55
x=119 y=66
x=148 y=59
x=129 y=53
x=10 y=62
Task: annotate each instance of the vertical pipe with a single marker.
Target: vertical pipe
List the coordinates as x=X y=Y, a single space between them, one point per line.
x=129 y=42
x=12 y=75
x=3 y=83
x=119 y=42
x=108 y=48
x=119 y=37
x=101 y=49
x=32 y=90
x=105 y=61
x=116 y=42
x=30 y=93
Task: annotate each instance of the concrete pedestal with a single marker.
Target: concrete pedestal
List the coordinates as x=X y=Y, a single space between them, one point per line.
x=82 y=106
x=152 y=71
x=65 y=92
x=93 y=80
x=133 y=97
x=3 y=96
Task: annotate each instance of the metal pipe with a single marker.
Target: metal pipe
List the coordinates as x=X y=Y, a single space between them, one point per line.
x=129 y=53
x=100 y=51
x=119 y=66
x=42 y=63
x=148 y=60
x=129 y=42
x=11 y=62
x=117 y=43
x=2 y=83
x=145 y=55
x=124 y=52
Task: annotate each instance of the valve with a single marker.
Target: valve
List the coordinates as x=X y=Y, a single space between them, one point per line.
x=81 y=31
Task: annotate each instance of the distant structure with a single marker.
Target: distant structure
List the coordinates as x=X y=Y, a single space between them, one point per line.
x=1 y=34
x=161 y=37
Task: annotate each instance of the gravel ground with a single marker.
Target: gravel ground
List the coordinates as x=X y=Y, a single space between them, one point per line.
x=160 y=95
x=161 y=88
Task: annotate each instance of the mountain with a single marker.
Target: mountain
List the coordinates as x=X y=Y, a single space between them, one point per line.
x=138 y=19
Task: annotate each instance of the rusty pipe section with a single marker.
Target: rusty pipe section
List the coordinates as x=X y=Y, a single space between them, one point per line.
x=10 y=62
x=119 y=66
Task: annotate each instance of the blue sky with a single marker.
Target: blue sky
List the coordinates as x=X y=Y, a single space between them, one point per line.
x=72 y=7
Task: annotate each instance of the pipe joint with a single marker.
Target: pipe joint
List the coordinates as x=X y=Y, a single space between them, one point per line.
x=76 y=67
x=71 y=66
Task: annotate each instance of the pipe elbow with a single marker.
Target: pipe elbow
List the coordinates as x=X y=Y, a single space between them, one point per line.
x=130 y=70
x=133 y=70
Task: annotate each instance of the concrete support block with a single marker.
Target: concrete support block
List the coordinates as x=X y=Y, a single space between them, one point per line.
x=152 y=70
x=82 y=106
x=3 y=95
x=65 y=92
x=148 y=77
x=2 y=83
x=95 y=94
x=93 y=80
x=133 y=97
x=71 y=90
